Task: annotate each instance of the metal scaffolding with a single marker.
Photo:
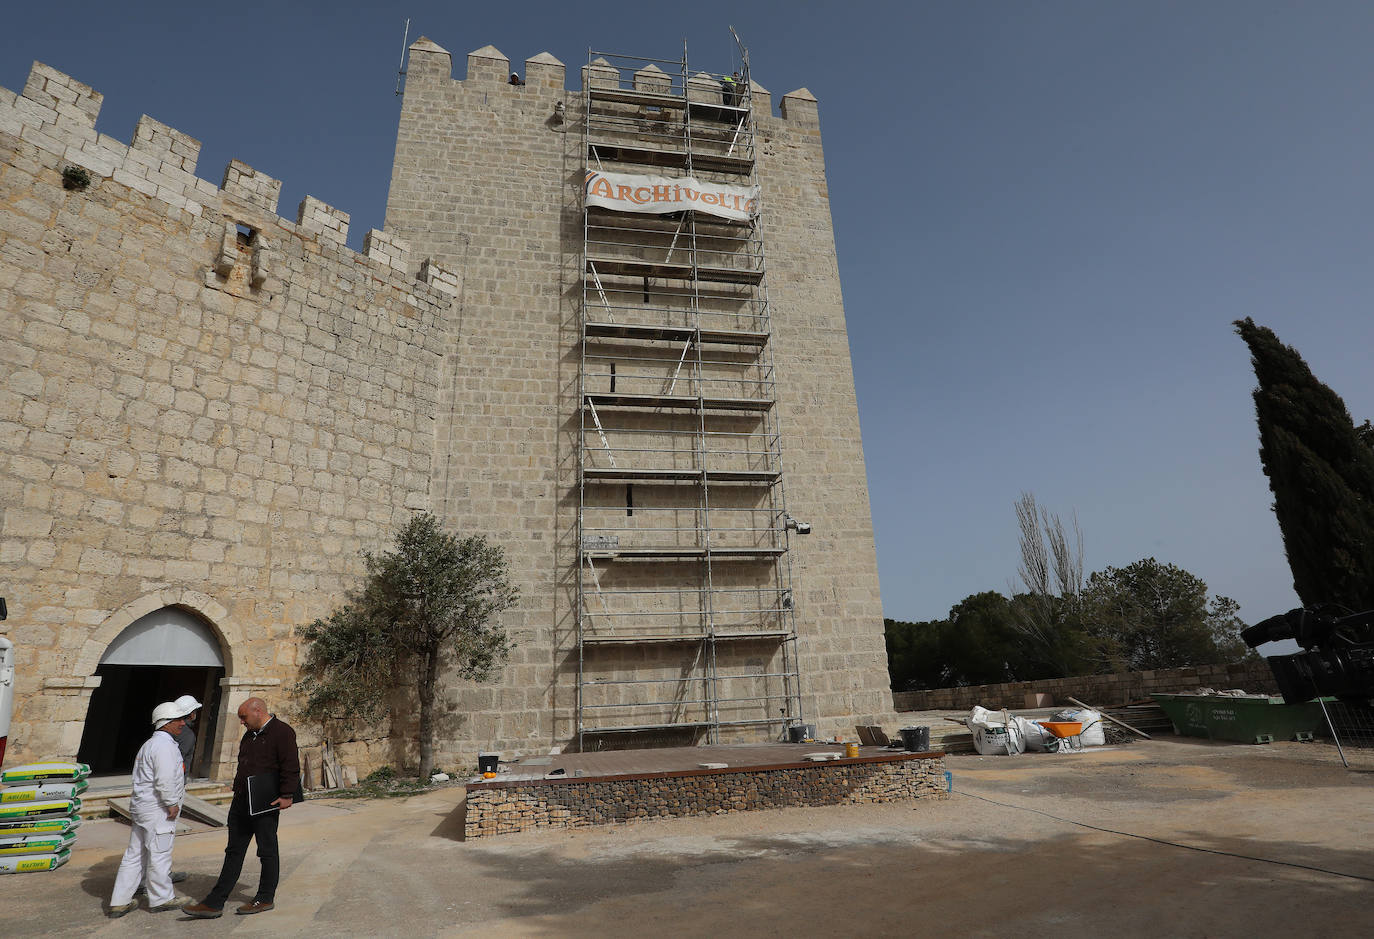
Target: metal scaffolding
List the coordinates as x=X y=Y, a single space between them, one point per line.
x=685 y=615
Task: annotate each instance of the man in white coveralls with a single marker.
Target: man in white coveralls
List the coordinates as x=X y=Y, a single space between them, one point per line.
x=159 y=786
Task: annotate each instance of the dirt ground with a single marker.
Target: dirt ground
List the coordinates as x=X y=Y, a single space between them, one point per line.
x=1172 y=837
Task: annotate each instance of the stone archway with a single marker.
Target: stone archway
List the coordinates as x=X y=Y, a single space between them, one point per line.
x=157 y=647
x=161 y=656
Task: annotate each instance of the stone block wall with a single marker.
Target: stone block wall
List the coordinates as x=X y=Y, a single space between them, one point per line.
x=209 y=406
x=504 y=808
x=202 y=405
x=1105 y=690
x=487 y=179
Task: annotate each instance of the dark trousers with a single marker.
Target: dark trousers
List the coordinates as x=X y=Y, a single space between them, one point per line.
x=244 y=828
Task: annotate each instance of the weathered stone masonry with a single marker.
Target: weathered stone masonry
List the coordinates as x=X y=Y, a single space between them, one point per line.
x=202 y=404
x=207 y=406
x=487 y=179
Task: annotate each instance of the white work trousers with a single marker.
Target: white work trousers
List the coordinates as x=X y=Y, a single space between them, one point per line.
x=149 y=854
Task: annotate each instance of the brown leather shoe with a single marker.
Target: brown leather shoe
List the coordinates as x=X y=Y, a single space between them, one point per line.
x=201 y=911
x=257 y=906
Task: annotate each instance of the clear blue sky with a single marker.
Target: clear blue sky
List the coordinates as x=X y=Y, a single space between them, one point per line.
x=1047 y=216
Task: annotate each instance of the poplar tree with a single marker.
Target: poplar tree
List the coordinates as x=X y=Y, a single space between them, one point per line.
x=1321 y=473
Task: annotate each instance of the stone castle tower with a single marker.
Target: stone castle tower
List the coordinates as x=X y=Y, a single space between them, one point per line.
x=210 y=410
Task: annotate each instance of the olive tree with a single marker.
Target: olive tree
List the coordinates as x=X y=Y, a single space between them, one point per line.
x=430 y=604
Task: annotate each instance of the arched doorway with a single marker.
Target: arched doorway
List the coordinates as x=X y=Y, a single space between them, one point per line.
x=160 y=656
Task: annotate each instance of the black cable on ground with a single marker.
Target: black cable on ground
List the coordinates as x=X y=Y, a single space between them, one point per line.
x=1164 y=841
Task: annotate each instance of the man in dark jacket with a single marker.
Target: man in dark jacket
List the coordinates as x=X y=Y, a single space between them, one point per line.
x=186 y=740
x=268 y=747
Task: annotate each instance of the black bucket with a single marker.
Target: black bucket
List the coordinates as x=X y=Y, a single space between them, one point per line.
x=486 y=762
x=916 y=739
x=798 y=733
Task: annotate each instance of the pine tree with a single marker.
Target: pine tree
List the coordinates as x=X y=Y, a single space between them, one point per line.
x=1321 y=474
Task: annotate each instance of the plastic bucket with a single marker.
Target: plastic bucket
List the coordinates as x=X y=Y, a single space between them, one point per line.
x=916 y=739
x=486 y=762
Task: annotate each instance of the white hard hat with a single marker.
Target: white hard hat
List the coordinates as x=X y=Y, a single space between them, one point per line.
x=166 y=712
x=187 y=704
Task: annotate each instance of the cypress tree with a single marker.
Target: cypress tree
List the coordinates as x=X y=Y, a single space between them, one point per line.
x=1321 y=474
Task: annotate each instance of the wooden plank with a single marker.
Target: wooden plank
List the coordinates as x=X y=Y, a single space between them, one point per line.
x=1112 y=719
x=203 y=811
x=121 y=808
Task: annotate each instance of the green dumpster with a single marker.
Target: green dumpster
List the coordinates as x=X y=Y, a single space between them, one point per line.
x=1243 y=720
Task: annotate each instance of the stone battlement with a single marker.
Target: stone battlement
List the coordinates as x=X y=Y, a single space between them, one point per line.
x=57 y=113
x=431 y=63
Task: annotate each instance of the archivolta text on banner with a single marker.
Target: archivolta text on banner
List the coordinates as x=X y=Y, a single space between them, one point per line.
x=659 y=195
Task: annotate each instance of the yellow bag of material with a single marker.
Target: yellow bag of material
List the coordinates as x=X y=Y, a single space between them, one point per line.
x=21 y=863
x=39 y=826
x=43 y=791
x=10 y=811
x=36 y=844
x=51 y=769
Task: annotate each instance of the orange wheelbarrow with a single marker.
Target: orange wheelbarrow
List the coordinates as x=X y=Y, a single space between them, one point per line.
x=1066 y=731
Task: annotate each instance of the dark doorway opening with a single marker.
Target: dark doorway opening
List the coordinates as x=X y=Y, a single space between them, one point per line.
x=119 y=720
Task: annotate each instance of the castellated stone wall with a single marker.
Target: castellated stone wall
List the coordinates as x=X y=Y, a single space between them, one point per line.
x=202 y=405
x=487 y=179
x=207 y=406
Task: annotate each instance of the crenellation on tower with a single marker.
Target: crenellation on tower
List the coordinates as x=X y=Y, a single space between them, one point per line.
x=172 y=150
x=488 y=65
x=600 y=74
x=704 y=88
x=323 y=221
x=801 y=108
x=73 y=105
x=248 y=185
x=427 y=61
x=545 y=72
x=440 y=278
x=762 y=98
x=392 y=251
x=653 y=80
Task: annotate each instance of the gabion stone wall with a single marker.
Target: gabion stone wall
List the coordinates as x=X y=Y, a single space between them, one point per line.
x=499 y=808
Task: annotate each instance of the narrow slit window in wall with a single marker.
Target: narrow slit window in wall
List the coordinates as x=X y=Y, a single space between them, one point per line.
x=629 y=499
x=612 y=377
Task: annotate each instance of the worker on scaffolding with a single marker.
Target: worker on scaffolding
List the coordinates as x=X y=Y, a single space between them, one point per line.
x=730 y=90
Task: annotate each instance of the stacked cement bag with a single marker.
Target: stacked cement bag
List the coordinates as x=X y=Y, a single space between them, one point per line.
x=39 y=815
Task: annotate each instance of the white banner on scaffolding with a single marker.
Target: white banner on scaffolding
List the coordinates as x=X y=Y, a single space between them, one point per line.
x=659 y=195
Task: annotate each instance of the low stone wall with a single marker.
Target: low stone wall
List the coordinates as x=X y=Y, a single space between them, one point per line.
x=1106 y=690
x=503 y=807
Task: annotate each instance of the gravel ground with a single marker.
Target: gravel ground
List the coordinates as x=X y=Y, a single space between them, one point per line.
x=1170 y=837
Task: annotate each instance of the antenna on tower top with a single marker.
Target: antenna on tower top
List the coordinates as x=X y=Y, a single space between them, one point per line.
x=401 y=69
x=743 y=51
